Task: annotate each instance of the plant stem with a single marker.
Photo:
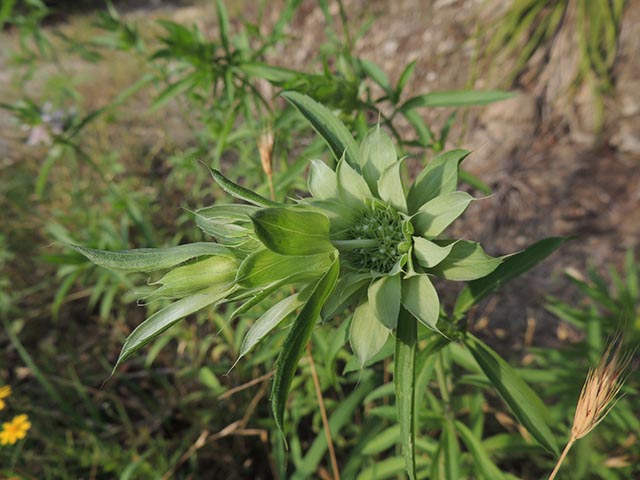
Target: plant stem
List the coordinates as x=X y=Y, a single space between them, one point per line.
x=562 y=457
x=347 y=245
x=323 y=414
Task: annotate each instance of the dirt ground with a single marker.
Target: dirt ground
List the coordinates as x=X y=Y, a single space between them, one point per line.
x=553 y=172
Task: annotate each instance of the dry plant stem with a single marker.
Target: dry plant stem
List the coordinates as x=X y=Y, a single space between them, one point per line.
x=562 y=457
x=323 y=414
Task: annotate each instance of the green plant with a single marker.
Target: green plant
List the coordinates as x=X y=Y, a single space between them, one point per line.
x=358 y=241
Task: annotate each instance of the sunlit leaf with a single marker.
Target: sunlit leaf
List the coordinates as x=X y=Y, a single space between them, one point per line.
x=241 y=192
x=467 y=261
x=439 y=177
x=377 y=154
x=352 y=187
x=290 y=231
x=390 y=188
x=327 y=125
x=428 y=253
x=437 y=214
x=323 y=183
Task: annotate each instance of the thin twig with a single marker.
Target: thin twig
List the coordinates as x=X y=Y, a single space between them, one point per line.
x=244 y=386
x=323 y=414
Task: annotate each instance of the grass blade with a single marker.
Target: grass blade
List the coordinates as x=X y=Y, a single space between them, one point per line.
x=521 y=399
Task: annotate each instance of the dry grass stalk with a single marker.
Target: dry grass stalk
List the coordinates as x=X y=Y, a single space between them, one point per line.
x=599 y=394
x=265 y=148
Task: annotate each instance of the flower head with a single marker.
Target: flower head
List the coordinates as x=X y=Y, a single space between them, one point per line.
x=14 y=430
x=5 y=392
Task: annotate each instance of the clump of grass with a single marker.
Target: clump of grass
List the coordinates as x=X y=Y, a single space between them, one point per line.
x=599 y=394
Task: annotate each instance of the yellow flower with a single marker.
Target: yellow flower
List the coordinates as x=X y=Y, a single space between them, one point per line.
x=14 y=430
x=5 y=392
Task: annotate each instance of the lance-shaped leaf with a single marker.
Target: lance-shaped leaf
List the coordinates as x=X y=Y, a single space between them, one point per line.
x=439 y=177
x=428 y=253
x=349 y=288
x=227 y=223
x=296 y=341
x=323 y=183
x=421 y=299
x=241 y=192
x=437 y=214
x=264 y=267
x=521 y=399
x=511 y=267
x=456 y=98
x=384 y=296
x=367 y=335
x=270 y=320
x=151 y=259
x=377 y=154
x=353 y=189
x=467 y=261
x=289 y=231
x=332 y=130
x=404 y=378
x=168 y=316
x=190 y=278
x=390 y=187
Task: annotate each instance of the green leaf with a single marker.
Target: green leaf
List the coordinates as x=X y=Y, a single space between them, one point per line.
x=467 y=261
x=384 y=296
x=438 y=213
x=374 y=72
x=352 y=187
x=290 y=231
x=223 y=21
x=332 y=130
x=483 y=463
x=404 y=379
x=268 y=321
x=439 y=177
x=367 y=334
x=511 y=267
x=264 y=267
x=404 y=77
x=451 y=449
x=521 y=399
x=377 y=154
x=151 y=259
x=323 y=182
x=168 y=316
x=227 y=223
x=270 y=73
x=296 y=341
x=456 y=98
x=421 y=299
x=347 y=289
x=240 y=192
x=196 y=276
x=428 y=253
x=390 y=187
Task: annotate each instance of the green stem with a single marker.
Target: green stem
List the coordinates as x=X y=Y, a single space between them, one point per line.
x=347 y=245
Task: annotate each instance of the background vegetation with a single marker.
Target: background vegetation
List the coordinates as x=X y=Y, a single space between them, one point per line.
x=106 y=116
